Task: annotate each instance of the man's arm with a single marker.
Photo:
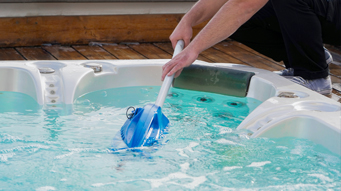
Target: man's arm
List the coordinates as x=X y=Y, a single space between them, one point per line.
x=225 y=22
x=201 y=11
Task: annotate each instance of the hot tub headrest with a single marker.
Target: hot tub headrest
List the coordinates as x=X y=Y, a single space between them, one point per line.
x=215 y=80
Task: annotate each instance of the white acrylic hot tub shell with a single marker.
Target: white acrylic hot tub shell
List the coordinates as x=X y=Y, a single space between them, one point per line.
x=311 y=115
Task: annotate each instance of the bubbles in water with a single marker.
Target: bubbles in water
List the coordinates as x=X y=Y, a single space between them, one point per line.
x=104 y=94
x=235 y=104
x=223 y=115
x=84 y=102
x=145 y=91
x=175 y=95
x=225 y=130
x=203 y=99
x=6 y=156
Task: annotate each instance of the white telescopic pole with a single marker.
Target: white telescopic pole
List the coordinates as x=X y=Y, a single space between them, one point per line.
x=168 y=79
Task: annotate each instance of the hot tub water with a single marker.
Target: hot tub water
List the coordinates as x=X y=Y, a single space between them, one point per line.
x=202 y=150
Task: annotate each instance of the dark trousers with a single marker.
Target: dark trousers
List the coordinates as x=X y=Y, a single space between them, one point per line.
x=293 y=31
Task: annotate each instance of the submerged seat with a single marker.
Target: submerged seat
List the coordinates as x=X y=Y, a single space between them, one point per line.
x=215 y=80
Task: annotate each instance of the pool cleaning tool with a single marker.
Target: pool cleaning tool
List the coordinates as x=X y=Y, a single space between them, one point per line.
x=145 y=125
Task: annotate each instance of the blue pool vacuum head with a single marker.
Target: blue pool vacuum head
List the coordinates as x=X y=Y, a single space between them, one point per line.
x=144 y=126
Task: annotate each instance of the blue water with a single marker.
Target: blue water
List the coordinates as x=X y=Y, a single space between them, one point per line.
x=44 y=150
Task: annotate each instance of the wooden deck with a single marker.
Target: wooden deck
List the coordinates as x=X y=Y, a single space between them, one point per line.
x=225 y=52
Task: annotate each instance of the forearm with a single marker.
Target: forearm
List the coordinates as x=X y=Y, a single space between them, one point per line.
x=226 y=21
x=203 y=10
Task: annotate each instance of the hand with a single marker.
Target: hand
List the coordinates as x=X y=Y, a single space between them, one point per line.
x=183 y=32
x=176 y=65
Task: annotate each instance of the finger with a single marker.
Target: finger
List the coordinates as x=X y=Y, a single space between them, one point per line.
x=165 y=69
x=174 y=41
x=174 y=69
x=173 y=44
x=164 y=73
x=167 y=65
x=177 y=74
x=187 y=41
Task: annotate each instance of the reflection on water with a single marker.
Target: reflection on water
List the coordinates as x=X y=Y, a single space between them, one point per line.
x=17 y=102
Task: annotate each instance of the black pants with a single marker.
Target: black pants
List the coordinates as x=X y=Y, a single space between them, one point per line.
x=294 y=31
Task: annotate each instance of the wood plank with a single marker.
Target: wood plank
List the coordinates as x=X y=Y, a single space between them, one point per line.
x=337 y=87
x=332 y=48
x=94 y=52
x=220 y=57
x=64 y=52
x=38 y=30
x=335 y=95
x=165 y=46
x=247 y=57
x=248 y=49
x=123 y=52
x=168 y=48
x=335 y=79
x=10 y=54
x=35 y=53
x=335 y=69
x=150 y=51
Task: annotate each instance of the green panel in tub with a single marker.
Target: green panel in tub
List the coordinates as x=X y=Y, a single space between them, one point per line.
x=215 y=80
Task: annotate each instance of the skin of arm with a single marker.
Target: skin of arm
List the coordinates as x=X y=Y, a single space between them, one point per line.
x=201 y=11
x=224 y=23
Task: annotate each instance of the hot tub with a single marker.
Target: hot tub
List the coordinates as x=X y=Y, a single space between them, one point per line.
x=285 y=109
